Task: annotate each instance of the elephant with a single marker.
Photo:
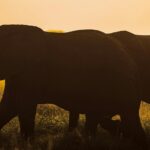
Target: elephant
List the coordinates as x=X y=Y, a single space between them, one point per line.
x=21 y=46
x=82 y=71
x=138 y=48
x=32 y=40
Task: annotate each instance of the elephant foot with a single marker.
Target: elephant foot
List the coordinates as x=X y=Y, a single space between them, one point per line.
x=73 y=121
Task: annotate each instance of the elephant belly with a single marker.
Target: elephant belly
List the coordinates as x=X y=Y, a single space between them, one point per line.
x=93 y=92
x=84 y=76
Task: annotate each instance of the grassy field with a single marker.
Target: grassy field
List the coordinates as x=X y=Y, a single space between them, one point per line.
x=51 y=133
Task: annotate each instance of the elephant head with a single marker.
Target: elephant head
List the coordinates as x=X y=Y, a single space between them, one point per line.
x=21 y=48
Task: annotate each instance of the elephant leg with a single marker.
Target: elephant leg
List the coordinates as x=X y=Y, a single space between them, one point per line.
x=7 y=105
x=132 y=128
x=112 y=126
x=27 y=120
x=91 y=124
x=6 y=114
x=73 y=120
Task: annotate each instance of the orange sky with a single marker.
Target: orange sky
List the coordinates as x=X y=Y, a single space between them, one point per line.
x=104 y=15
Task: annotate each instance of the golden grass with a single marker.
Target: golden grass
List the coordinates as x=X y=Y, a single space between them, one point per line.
x=56 y=31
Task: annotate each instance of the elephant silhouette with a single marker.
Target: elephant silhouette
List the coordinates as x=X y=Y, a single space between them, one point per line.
x=83 y=71
x=137 y=47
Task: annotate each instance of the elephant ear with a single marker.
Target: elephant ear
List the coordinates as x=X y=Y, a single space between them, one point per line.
x=22 y=48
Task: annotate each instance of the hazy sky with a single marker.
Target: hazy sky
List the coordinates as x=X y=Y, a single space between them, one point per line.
x=104 y=15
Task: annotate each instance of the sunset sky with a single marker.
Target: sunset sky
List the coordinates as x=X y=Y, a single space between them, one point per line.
x=104 y=15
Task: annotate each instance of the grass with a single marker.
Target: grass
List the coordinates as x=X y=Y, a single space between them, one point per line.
x=51 y=133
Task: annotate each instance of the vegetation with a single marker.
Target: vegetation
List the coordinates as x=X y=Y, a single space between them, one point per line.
x=56 y=31
x=51 y=133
